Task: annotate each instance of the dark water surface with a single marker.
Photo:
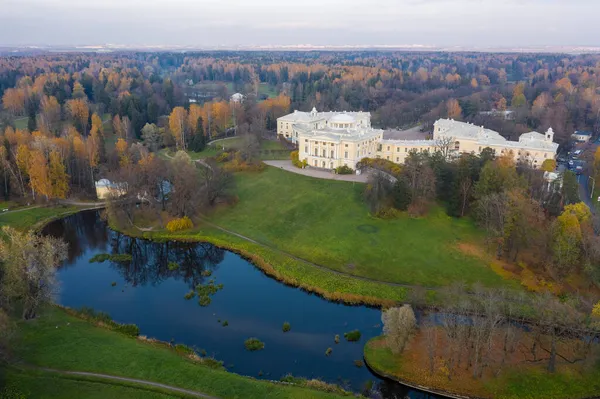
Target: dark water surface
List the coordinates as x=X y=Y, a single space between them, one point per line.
x=150 y=295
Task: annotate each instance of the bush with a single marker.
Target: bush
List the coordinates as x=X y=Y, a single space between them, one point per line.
x=344 y=170
x=113 y=284
x=128 y=329
x=173 y=266
x=328 y=351
x=181 y=348
x=99 y=258
x=290 y=379
x=254 y=344
x=190 y=295
x=223 y=157
x=206 y=273
x=212 y=363
x=225 y=323
x=337 y=339
x=204 y=300
x=359 y=363
x=183 y=223
x=352 y=336
x=286 y=327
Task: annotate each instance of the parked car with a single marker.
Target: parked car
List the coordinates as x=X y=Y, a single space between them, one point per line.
x=579 y=170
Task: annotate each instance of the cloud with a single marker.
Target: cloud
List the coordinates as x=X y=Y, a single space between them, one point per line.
x=229 y=22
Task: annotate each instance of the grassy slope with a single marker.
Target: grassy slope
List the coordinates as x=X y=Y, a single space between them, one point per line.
x=515 y=384
x=31 y=218
x=328 y=223
x=60 y=341
x=44 y=385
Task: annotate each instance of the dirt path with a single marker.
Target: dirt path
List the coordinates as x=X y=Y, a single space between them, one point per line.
x=317 y=173
x=133 y=380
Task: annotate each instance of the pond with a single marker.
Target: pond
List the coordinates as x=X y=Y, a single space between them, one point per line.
x=150 y=292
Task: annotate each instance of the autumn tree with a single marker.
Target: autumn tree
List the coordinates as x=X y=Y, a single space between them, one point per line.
x=178 y=126
x=79 y=112
x=14 y=101
x=50 y=114
x=30 y=262
x=453 y=109
x=121 y=148
x=59 y=180
x=152 y=136
x=398 y=325
x=549 y=165
x=38 y=172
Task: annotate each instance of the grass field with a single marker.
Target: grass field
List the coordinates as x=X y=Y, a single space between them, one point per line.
x=517 y=383
x=328 y=223
x=31 y=218
x=46 y=385
x=58 y=340
x=269 y=90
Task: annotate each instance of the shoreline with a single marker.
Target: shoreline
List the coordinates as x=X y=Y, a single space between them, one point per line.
x=455 y=394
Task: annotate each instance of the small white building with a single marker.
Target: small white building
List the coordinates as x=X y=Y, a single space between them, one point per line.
x=236 y=98
x=582 y=136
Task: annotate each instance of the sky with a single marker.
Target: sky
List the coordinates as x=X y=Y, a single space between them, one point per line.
x=201 y=23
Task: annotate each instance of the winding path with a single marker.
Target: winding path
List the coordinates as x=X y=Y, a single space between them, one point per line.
x=132 y=380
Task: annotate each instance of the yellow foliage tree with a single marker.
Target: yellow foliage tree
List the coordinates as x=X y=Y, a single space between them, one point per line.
x=178 y=126
x=79 y=111
x=453 y=109
x=38 y=174
x=183 y=223
x=121 y=148
x=549 y=165
x=59 y=180
x=596 y=310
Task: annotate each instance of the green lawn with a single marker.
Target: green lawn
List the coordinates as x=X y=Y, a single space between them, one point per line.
x=58 y=340
x=46 y=385
x=21 y=123
x=327 y=222
x=31 y=218
x=269 y=90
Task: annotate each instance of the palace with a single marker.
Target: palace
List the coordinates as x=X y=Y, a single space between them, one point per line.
x=332 y=139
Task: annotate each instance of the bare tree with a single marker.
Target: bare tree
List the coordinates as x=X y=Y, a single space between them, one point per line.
x=215 y=183
x=30 y=262
x=398 y=326
x=445 y=146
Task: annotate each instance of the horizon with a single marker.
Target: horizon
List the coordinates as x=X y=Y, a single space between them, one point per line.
x=468 y=24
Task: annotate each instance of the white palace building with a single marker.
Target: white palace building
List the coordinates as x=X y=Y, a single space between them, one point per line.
x=331 y=139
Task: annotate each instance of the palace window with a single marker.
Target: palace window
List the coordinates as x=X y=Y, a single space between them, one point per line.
x=316 y=152
x=397 y=159
x=331 y=153
x=306 y=149
x=405 y=149
x=346 y=154
x=457 y=145
x=346 y=145
x=388 y=148
x=324 y=153
x=397 y=149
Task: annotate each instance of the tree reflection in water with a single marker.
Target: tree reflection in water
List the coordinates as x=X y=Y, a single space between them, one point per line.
x=150 y=260
x=149 y=265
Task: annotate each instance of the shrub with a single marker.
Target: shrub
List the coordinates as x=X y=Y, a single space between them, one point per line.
x=114 y=283
x=328 y=351
x=254 y=344
x=286 y=327
x=212 y=363
x=204 y=300
x=121 y=258
x=99 y=258
x=181 y=348
x=128 y=329
x=223 y=157
x=173 y=266
x=359 y=363
x=225 y=323
x=388 y=213
x=352 y=336
x=295 y=157
x=596 y=310
x=189 y=295
x=337 y=339
x=344 y=170
x=179 y=224
x=206 y=273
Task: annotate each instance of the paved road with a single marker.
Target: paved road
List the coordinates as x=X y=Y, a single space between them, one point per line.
x=133 y=380
x=319 y=174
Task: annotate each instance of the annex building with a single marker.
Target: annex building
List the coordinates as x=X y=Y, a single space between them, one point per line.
x=332 y=139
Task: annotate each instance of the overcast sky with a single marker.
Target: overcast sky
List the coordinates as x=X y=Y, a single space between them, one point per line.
x=318 y=22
